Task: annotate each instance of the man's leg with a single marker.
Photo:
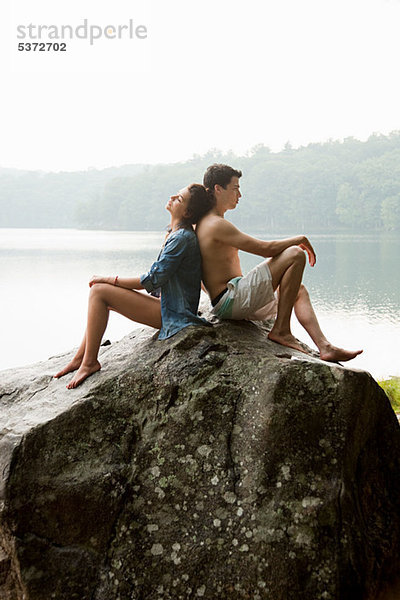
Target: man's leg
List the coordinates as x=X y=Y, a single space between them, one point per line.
x=287 y=272
x=307 y=318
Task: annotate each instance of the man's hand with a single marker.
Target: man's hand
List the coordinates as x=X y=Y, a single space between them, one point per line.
x=305 y=245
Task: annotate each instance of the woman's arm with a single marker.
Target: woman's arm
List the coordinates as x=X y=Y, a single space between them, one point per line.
x=169 y=261
x=130 y=283
x=159 y=272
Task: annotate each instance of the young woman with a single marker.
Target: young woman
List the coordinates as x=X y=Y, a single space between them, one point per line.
x=176 y=274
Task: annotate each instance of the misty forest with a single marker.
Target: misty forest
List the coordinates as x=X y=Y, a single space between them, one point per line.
x=325 y=187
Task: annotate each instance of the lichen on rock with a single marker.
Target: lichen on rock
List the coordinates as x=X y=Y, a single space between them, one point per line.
x=210 y=465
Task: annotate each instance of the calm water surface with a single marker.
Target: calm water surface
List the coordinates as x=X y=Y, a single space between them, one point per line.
x=44 y=274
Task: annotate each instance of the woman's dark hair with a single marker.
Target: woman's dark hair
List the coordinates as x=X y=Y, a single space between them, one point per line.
x=219 y=174
x=200 y=203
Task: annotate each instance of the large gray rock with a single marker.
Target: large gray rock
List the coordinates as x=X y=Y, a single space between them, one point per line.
x=213 y=465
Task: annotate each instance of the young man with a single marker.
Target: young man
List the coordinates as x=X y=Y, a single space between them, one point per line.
x=252 y=296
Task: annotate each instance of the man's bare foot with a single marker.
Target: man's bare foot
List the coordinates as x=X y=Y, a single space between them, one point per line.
x=286 y=339
x=71 y=366
x=333 y=354
x=83 y=373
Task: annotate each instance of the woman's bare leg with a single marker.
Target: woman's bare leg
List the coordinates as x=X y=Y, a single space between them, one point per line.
x=75 y=362
x=287 y=272
x=103 y=297
x=307 y=318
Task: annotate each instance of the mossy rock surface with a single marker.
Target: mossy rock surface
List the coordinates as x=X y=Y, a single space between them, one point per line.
x=213 y=465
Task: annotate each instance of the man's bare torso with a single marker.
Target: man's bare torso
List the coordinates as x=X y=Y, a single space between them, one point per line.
x=220 y=262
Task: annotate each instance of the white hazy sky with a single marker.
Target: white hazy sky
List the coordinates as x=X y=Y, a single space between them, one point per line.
x=211 y=74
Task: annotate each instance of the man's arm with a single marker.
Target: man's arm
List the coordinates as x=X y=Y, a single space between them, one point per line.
x=223 y=231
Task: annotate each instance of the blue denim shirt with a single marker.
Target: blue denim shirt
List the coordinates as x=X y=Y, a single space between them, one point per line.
x=177 y=271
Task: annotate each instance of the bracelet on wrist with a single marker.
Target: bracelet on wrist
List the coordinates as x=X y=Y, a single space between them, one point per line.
x=116 y=280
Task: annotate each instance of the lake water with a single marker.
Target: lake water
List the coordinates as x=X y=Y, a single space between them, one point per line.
x=44 y=274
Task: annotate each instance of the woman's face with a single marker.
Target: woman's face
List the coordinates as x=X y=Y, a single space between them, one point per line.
x=178 y=203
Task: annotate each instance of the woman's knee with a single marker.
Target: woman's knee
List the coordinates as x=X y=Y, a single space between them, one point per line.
x=98 y=290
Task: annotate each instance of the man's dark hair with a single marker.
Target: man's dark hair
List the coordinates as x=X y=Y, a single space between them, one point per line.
x=218 y=174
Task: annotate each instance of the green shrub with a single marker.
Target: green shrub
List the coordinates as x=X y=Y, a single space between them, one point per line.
x=392 y=388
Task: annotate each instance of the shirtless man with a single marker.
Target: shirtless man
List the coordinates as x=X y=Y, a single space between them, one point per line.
x=252 y=296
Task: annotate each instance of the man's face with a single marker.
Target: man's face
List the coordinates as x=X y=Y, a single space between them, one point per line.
x=231 y=194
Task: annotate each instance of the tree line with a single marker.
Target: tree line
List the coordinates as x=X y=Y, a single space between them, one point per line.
x=333 y=186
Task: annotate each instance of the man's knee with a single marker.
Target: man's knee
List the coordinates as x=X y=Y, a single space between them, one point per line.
x=296 y=254
x=283 y=261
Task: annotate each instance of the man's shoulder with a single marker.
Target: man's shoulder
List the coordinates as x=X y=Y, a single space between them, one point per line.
x=212 y=222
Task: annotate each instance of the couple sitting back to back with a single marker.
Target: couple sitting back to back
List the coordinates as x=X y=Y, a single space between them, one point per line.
x=213 y=256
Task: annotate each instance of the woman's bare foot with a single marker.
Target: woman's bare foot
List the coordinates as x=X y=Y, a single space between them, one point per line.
x=83 y=373
x=333 y=354
x=71 y=366
x=286 y=339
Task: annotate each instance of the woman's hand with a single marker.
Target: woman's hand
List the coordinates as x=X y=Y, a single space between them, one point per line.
x=99 y=279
